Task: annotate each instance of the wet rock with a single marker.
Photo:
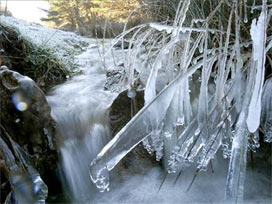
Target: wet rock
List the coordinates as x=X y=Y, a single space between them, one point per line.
x=25 y=119
x=122 y=110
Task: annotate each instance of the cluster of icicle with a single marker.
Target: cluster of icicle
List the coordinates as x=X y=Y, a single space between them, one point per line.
x=26 y=183
x=216 y=97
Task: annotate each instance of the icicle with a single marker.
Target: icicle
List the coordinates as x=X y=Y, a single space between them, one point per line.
x=253 y=6
x=209 y=150
x=221 y=80
x=201 y=45
x=245 y=11
x=239 y=64
x=148 y=145
x=190 y=155
x=27 y=185
x=157 y=143
x=253 y=141
x=135 y=131
x=258 y=35
x=184 y=151
x=150 y=116
x=150 y=89
x=213 y=143
x=187 y=112
x=237 y=167
x=185 y=141
x=203 y=95
x=226 y=140
x=173 y=161
x=175 y=112
x=179 y=119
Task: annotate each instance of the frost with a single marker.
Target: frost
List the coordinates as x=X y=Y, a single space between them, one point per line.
x=63 y=44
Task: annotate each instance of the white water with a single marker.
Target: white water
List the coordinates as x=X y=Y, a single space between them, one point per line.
x=80 y=108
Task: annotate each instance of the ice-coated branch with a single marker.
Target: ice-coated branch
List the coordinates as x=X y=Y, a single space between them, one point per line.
x=174 y=29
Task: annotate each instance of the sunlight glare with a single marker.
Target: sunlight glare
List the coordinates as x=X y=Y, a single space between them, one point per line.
x=28 y=10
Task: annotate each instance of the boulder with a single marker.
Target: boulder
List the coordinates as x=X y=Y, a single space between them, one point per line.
x=26 y=122
x=122 y=110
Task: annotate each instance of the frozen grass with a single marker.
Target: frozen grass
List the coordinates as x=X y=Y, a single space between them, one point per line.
x=213 y=86
x=64 y=45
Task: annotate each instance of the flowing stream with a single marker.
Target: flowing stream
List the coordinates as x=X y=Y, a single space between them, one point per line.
x=80 y=107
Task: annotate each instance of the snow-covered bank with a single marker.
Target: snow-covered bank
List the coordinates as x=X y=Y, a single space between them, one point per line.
x=65 y=45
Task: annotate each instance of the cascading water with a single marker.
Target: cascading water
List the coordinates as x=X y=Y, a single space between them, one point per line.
x=80 y=108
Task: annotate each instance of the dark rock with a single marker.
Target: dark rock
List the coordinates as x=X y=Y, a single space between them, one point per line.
x=122 y=110
x=124 y=44
x=25 y=119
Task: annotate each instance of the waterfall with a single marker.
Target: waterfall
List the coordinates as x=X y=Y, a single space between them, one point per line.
x=80 y=108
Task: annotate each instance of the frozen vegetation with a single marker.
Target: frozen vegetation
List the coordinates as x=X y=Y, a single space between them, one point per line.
x=65 y=45
x=212 y=100
x=206 y=102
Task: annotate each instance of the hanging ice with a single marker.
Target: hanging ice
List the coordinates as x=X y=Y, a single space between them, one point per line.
x=258 y=35
x=134 y=132
x=237 y=167
x=27 y=185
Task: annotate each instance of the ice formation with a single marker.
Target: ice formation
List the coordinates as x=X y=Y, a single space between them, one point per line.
x=27 y=185
x=258 y=35
x=216 y=102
